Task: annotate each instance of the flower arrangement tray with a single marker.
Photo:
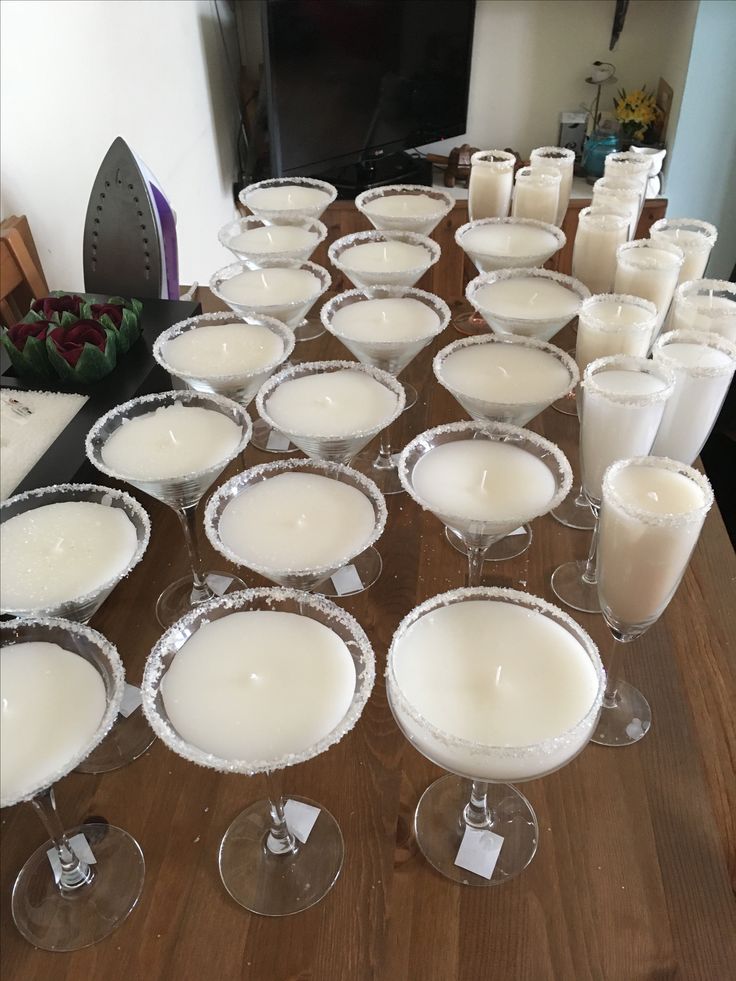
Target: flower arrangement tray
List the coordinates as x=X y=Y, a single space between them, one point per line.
x=135 y=374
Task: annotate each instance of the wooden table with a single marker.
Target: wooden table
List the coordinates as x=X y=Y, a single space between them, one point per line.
x=637 y=856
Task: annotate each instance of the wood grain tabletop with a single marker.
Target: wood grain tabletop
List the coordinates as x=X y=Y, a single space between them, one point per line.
x=635 y=872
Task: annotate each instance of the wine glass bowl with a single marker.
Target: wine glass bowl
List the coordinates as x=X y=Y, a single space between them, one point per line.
x=295 y=241
x=417 y=208
x=508 y=243
x=285 y=201
x=385 y=258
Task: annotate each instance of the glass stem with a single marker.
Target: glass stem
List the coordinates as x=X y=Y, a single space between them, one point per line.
x=477 y=814
x=476 y=558
x=612 y=678
x=383 y=461
x=581 y=500
x=187 y=517
x=589 y=575
x=74 y=872
x=280 y=840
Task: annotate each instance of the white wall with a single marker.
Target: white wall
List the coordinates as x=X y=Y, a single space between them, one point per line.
x=78 y=73
x=530 y=59
x=702 y=178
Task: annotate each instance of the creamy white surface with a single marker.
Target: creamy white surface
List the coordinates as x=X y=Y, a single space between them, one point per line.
x=708 y=313
x=514 y=241
x=390 y=256
x=403 y=205
x=619 y=336
x=270 y=287
x=273 y=238
x=535 y=298
x=696 y=246
x=489 y=191
x=508 y=373
x=52 y=704
x=334 y=403
x=287 y=197
x=393 y=319
x=259 y=685
x=594 y=251
x=537 y=196
x=650 y=273
x=215 y=349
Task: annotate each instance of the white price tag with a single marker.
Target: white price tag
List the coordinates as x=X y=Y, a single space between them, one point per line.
x=300 y=818
x=81 y=849
x=277 y=441
x=131 y=700
x=219 y=584
x=347 y=580
x=479 y=851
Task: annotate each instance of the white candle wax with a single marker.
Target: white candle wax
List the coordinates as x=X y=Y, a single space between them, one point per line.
x=498 y=675
x=512 y=241
x=394 y=319
x=215 y=349
x=617 y=198
x=389 y=256
x=297 y=521
x=273 y=238
x=556 y=158
x=287 y=197
x=594 y=252
x=612 y=327
x=650 y=273
x=259 y=685
x=695 y=246
x=170 y=442
x=60 y=552
x=271 y=287
x=52 y=704
x=334 y=403
x=533 y=299
x=536 y=194
x=403 y=205
x=505 y=373
x=490 y=186
x=706 y=312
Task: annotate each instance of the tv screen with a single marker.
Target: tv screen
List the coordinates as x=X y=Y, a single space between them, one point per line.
x=348 y=80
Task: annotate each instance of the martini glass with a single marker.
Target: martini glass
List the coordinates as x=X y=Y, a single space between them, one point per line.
x=259 y=243
x=58 y=548
x=623 y=402
x=286 y=290
x=534 y=302
x=384 y=259
x=405 y=207
x=88 y=901
x=514 y=709
x=389 y=348
x=183 y=488
x=265 y=862
x=223 y=376
x=652 y=513
x=504 y=243
x=502 y=378
x=288 y=200
x=707 y=305
x=483 y=480
x=300 y=531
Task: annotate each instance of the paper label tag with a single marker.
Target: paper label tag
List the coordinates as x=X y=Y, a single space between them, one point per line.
x=81 y=849
x=131 y=700
x=219 y=584
x=277 y=441
x=300 y=818
x=521 y=530
x=347 y=580
x=479 y=851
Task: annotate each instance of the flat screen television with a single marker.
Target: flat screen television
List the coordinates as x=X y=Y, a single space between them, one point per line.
x=352 y=81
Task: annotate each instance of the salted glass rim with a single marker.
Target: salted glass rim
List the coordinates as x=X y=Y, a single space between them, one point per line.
x=557 y=153
x=517 y=340
x=544 y=226
x=617 y=182
x=238 y=225
x=702 y=338
x=443 y=198
x=346 y=242
x=248 y=478
x=587 y=308
x=524 y=272
x=689 y=294
x=221 y=403
x=603 y=218
x=639 y=162
x=503 y=161
x=112 y=702
x=486 y=428
x=543 y=175
x=320 y=367
x=706 y=231
x=638 y=244
x=234 y=269
x=226 y=316
x=131 y=505
x=628 y=362
x=547 y=746
x=320 y=185
x=665 y=518
x=387 y=292
x=234 y=602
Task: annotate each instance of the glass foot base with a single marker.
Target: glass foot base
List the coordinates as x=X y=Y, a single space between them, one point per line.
x=506 y=548
x=265 y=439
x=574 y=512
x=309 y=329
x=439 y=828
x=470 y=323
x=567 y=406
x=126 y=741
x=176 y=599
x=278 y=885
x=367 y=566
x=54 y=920
x=385 y=478
x=411 y=396
x=628 y=721
x=569 y=586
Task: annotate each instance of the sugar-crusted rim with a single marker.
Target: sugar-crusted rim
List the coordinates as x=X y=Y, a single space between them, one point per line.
x=544 y=226
x=587 y=310
x=319 y=185
x=708 y=233
x=445 y=201
x=623 y=190
x=524 y=272
x=386 y=293
x=174 y=639
x=557 y=153
x=703 y=339
x=184 y=326
x=611 y=498
x=504 y=161
x=604 y=219
x=117 y=672
x=484 y=339
x=640 y=244
x=317 y=367
x=219 y=403
x=638 y=163
x=628 y=362
x=546 y=747
x=693 y=291
x=243 y=224
x=501 y=430
x=131 y=506
x=340 y=245
x=236 y=268
x=543 y=175
x=250 y=477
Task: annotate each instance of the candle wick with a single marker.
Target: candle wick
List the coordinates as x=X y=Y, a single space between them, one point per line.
x=498 y=675
x=174 y=440
x=483 y=481
x=533 y=298
x=619 y=309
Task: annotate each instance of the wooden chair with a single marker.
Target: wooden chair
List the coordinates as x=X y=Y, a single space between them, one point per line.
x=21 y=276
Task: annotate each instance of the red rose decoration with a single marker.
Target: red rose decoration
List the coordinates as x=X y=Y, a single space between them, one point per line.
x=112 y=310
x=19 y=333
x=49 y=305
x=70 y=342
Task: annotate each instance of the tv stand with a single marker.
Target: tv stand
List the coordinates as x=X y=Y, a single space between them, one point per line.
x=398 y=168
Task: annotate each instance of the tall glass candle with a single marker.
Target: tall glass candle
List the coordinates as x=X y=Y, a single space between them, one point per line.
x=696 y=239
x=619 y=196
x=706 y=304
x=594 y=251
x=536 y=194
x=491 y=182
x=613 y=323
x=556 y=158
x=650 y=270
